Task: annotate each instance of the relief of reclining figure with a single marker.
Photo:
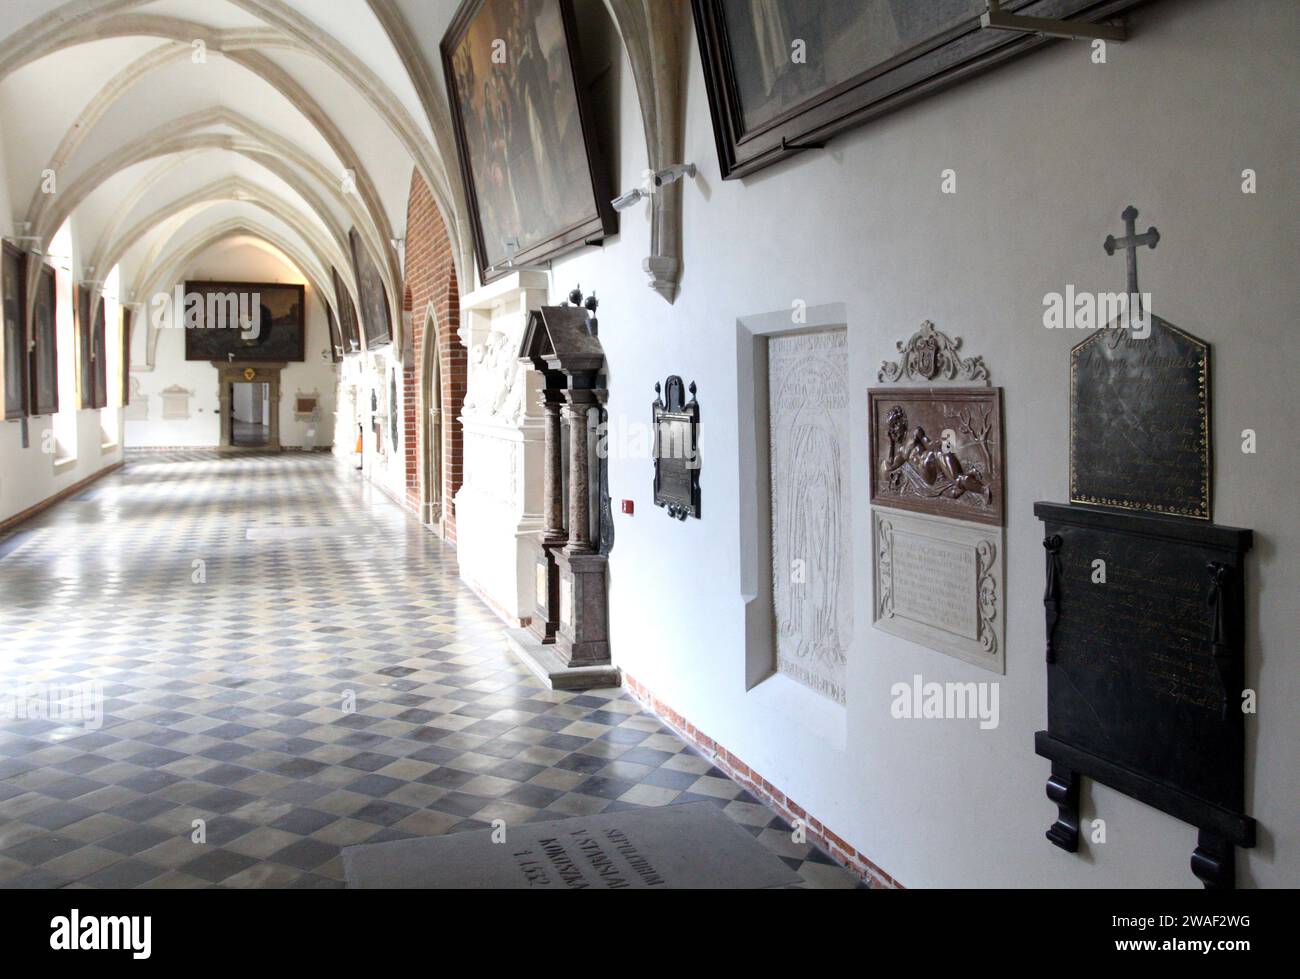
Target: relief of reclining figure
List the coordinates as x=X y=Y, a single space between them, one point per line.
x=913 y=463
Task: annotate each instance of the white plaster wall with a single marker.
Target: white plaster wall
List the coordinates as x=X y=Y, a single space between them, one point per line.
x=316 y=374
x=1048 y=150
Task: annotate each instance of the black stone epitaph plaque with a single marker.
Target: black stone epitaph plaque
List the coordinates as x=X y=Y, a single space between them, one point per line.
x=676 y=450
x=1140 y=421
x=1145 y=667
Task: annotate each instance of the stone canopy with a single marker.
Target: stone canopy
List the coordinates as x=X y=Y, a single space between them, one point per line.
x=558 y=338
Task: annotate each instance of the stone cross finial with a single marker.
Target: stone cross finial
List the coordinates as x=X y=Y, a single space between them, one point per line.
x=1132 y=242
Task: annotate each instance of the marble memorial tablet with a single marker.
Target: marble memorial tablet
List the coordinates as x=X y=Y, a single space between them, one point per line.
x=939 y=583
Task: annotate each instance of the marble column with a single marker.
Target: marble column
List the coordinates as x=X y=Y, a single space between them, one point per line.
x=575 y=413
x=553 y=470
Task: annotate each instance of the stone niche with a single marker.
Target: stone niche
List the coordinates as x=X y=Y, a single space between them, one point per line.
x=499 y=505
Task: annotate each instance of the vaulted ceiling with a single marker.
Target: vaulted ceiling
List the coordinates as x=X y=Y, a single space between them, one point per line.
x=169 y=125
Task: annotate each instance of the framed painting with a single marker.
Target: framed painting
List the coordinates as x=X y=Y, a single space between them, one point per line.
x=43 y=329
x=347 y=315
x=533 y=172
x=376 y=320
x=125 y=379
x=787 y=75
x=83 y=323
x=243 y=321
x=939 y=451
x=13 y=268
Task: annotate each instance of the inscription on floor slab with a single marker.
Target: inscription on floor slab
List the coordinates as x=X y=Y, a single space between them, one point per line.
x=686 y=846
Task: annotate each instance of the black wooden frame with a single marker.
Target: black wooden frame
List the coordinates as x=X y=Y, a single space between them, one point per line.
x=945 y=59
x=598 y=225
x=19 y=258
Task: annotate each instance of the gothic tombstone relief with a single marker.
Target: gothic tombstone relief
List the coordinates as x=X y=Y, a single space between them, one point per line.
x=939 y=583
x=676 y=424
x=938 y=450
x=811 y=558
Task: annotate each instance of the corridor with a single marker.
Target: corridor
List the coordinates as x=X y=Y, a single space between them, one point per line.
x=231 y=607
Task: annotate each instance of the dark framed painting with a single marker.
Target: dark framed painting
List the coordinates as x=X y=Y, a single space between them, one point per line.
x=83 y=332
x=347 y=314
x=43 y=329
x=125 y=379
x=787 y=75
x=13 y=286
x=243 y=321
x=372 y=294
x=939 y=451
x=532 y=169
x=336 y=338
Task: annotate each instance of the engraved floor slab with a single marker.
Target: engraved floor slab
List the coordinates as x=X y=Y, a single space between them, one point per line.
x=691 y=846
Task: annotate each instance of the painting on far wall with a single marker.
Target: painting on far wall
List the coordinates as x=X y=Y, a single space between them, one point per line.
x=785 y=76
x=530 y=163
x=43 y=330
x=92 y=376
x=371 y=294
x=347 y=314
x=13 y=266
x=231 y=335
x=125 y=379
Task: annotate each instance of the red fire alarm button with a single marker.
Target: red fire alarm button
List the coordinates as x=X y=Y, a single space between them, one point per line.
x=627 y=506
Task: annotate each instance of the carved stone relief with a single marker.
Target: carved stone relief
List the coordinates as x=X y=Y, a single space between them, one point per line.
x=811 y=557
x=932 y=357
x=494 y=387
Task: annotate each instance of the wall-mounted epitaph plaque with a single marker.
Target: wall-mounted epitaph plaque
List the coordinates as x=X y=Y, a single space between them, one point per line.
x=676 y=449
x=938 y=450
x=1139 y=421
x=1145 y=670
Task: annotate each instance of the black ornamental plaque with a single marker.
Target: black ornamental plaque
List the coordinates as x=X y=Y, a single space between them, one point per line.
x=1140 y=405
x=1139 y=421
x=1145 y=670
x=676 y=424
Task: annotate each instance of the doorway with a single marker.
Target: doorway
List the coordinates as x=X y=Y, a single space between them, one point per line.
x=250 y=396
x=250 y=414
x=432 y=428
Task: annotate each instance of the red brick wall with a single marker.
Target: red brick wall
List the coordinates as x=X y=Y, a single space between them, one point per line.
x=431 y=279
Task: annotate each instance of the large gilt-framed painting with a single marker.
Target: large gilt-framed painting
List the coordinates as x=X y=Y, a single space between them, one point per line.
x=376 y=320
x=531 y=165
x=13 y=267
x=786 y=75
x=240 y=321
x=347 y=314
x=43 y=329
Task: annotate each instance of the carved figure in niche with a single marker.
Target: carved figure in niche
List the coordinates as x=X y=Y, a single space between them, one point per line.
x=814 y=526
x=913 y=463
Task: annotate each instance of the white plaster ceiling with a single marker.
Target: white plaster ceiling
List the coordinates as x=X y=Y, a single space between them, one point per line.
x=153 y=150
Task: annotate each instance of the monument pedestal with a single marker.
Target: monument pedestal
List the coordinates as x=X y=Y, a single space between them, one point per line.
x=544 y=660
x=583 y=635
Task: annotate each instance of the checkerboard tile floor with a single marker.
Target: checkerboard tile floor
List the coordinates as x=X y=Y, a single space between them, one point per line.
x=287 y=657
